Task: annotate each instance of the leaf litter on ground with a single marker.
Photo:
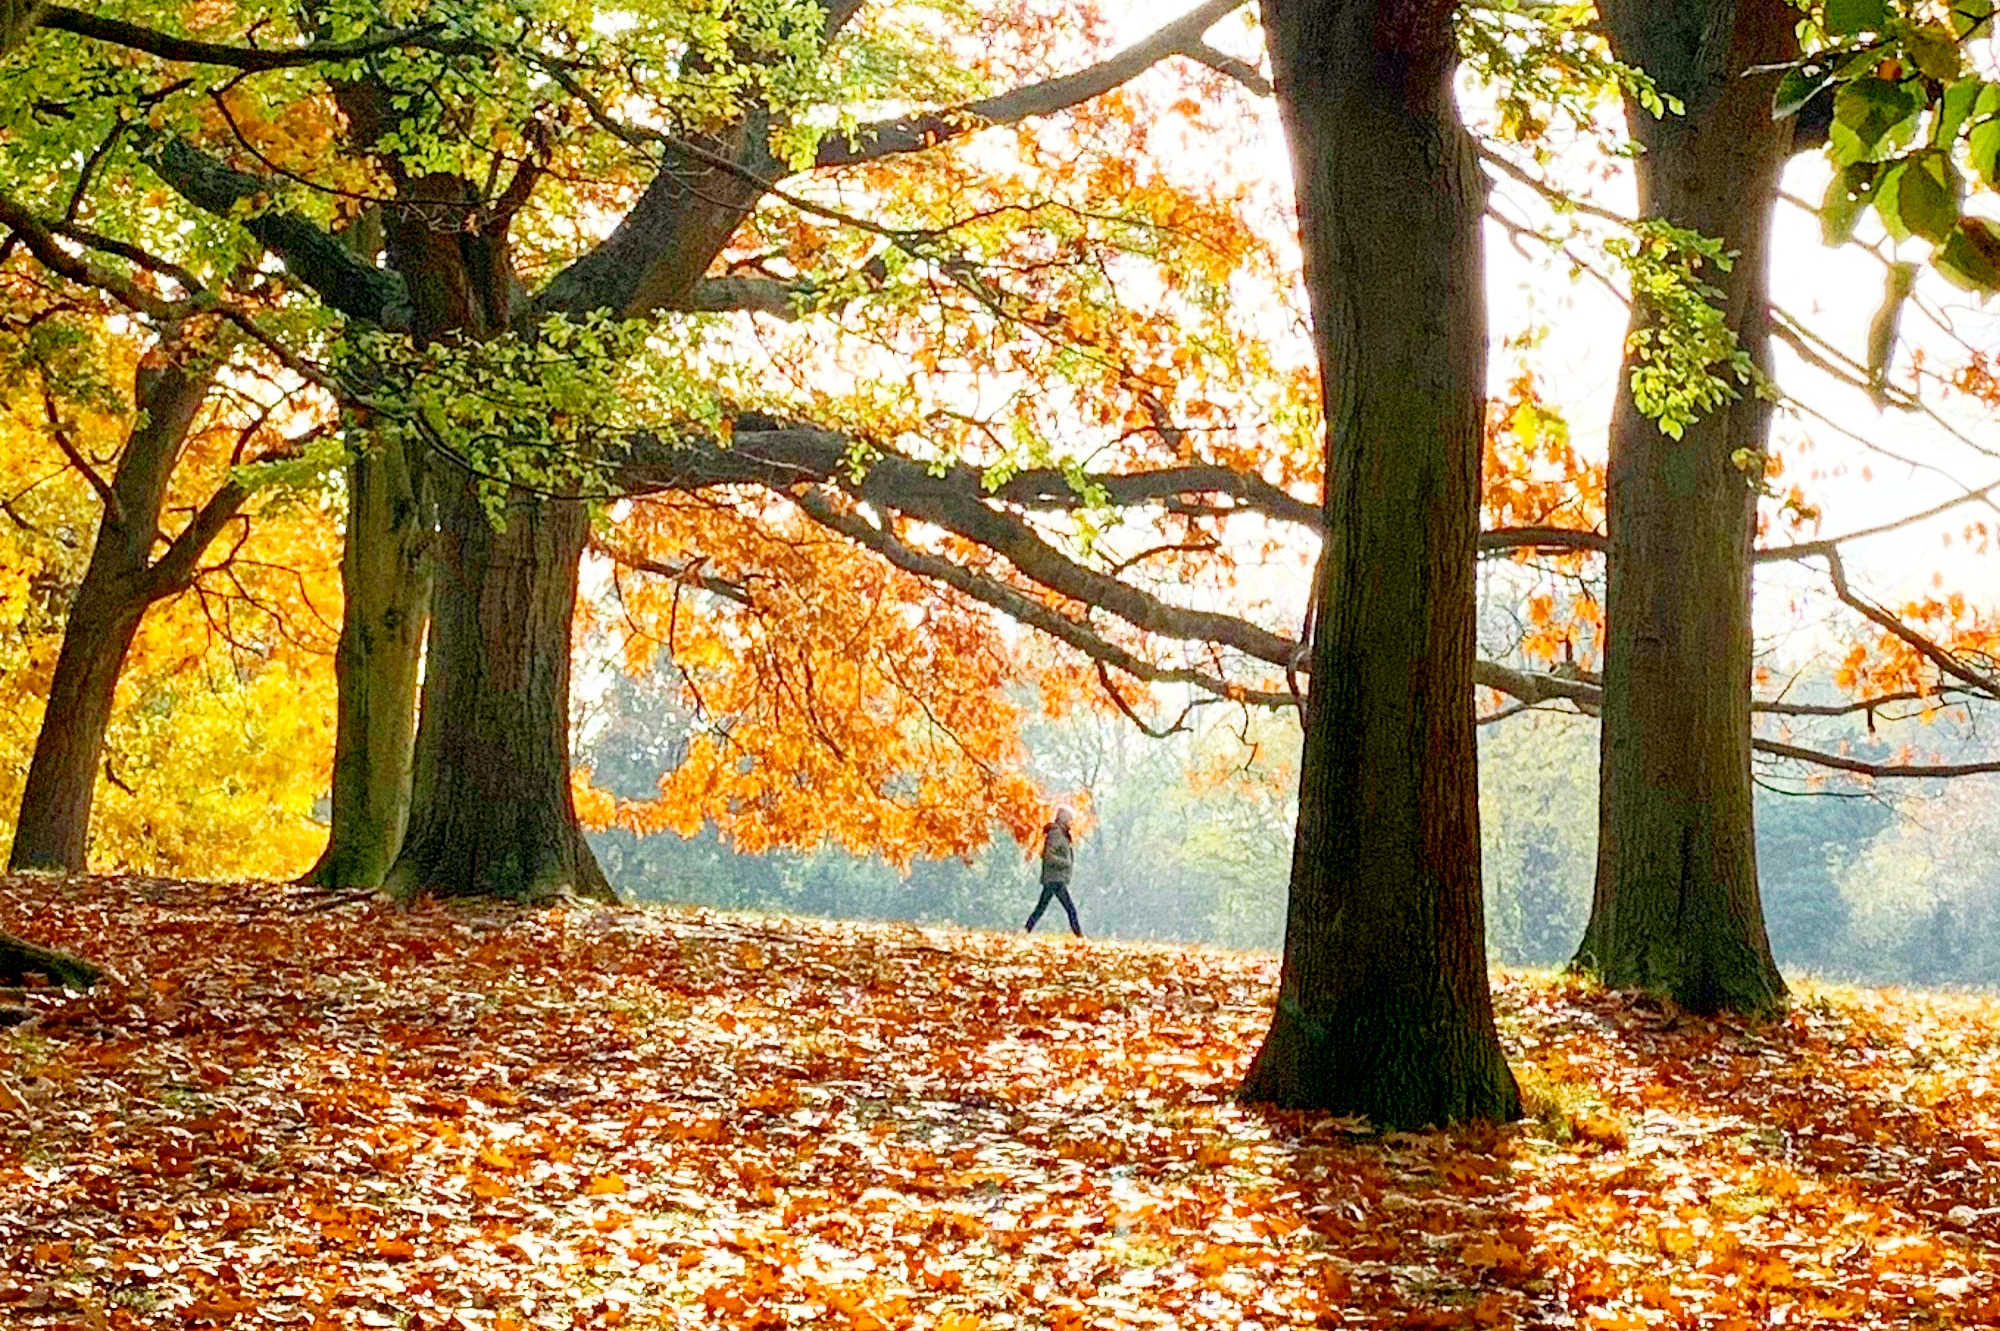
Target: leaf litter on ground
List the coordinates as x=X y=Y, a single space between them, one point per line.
x=483 y=1117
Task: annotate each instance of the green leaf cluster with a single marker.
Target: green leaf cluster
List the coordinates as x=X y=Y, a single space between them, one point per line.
x=1686 y=359
x=1914 y=125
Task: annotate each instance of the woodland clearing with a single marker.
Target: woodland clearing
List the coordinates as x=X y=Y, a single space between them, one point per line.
x=472 y=1115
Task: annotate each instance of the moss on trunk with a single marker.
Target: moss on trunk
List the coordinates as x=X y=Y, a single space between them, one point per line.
x=385 y=573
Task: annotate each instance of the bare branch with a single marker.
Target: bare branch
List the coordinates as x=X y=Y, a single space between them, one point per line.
x=1827 y=545
x=1896 y=771
x=913 y=133
x=176 y=569
x=1554 y=540
x=60 y=433
x=686 y=574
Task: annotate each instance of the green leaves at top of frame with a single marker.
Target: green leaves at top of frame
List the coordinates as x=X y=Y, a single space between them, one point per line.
x=1852 y=18
x=1872 y=118
x=1919 y=196
x=1846 y=18
x=1912 y=125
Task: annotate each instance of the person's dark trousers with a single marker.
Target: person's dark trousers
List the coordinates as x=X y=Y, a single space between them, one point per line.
x=1055 y=892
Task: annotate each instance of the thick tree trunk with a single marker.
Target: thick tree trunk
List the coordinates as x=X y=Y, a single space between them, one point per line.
x=21 y=961
x=491 y=812
x=385 y=572
x=1676 y=909
x=53 y=829
x=1383 y=1008
x=53 y=832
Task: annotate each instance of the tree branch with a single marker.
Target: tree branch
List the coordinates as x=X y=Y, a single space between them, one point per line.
x=189 y=51
x=42 y=243
x=1945 y=661
x=1821 y=548
x=760 y=295
x=1019 y=605
x=60 y=433
x=177 y=568
x=341 y=278
x=913 y=133
x=1860 y=767
x=1553 y=540
x=687 y=574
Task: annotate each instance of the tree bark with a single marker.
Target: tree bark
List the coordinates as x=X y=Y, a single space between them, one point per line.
x=1383 y=1008
x=21 y=960
x=1676 y=910
x=491 y=810
x=385 y=574
x=53 y=829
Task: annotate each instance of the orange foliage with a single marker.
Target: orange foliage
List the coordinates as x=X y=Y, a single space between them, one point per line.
x=1532 y=473
x=1886 y=663
x=837 y=697
x=380 y=1117
x=1122 y=309
x=1534 y=477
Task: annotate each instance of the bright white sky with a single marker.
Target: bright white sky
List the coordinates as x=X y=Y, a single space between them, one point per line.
x=1835 y=292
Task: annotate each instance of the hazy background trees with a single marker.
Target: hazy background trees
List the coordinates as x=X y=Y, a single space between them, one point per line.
x=1186 y=843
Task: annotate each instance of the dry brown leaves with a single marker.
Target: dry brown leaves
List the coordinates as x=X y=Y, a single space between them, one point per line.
x=482 y=1118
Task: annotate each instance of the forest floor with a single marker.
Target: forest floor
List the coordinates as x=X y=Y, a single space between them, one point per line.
x=478 y=1117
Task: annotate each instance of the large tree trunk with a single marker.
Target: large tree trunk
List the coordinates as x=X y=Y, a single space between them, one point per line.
x=1676 y=909
x=53 y=829
x=491 y=812
x=1383 y=1007
x=385 y=574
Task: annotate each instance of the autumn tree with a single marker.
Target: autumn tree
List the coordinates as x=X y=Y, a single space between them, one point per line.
x=1383 y=1007
x=172 y=384
x=437 y=312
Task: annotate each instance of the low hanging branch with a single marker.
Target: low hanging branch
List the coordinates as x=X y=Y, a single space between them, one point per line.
x=1019 y=605
x=816 y=471
x=252 y=59
x=22 y=962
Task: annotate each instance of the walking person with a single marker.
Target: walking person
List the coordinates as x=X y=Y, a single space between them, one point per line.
x=1058 y=857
